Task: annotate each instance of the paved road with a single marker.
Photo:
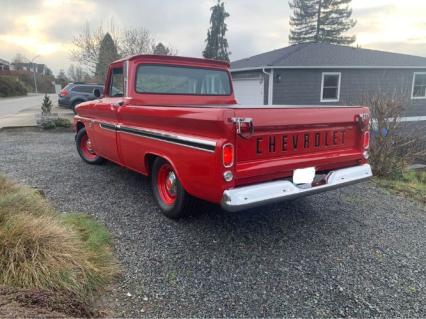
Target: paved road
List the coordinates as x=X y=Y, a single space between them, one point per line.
x=10 y=106
x=355 y=252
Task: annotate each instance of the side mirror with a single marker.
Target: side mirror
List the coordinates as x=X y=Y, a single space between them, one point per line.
x=97 y=93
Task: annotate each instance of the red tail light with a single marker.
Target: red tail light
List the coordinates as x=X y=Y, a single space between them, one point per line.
x=366 y=140
x=363 y=120
x=64 y=93
x=228 y=155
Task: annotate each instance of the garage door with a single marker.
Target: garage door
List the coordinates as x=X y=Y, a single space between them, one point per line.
x=249 y=91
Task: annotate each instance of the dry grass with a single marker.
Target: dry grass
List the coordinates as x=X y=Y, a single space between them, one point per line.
x=412 y=185
x=40 y=248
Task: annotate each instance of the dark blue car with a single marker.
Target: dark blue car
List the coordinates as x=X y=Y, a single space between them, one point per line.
x=76 y=93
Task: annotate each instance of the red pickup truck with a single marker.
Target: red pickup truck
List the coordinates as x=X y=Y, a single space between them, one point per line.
x=176 y=119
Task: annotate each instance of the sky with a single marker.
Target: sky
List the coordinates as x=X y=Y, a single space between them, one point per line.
x=47 y=27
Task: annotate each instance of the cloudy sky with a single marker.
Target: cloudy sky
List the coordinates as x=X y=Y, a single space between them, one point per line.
x=47 y=27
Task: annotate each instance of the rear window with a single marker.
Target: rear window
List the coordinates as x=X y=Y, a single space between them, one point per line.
x=160 y=79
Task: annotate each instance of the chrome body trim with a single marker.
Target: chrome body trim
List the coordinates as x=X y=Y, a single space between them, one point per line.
x=272 y=192
x=168 y=137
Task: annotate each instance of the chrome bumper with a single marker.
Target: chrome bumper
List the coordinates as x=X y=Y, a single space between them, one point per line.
x=266 y=193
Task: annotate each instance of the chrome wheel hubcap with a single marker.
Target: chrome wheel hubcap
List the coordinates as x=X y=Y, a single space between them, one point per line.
x=171 y=183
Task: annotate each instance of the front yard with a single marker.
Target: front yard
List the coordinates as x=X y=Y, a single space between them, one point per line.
x=355 y=252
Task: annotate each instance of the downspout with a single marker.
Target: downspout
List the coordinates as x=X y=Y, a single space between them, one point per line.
x=270 y=85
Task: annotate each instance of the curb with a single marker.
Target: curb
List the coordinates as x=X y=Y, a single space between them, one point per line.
x=35 y=128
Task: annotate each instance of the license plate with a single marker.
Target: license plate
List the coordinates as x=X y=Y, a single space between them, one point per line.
x=304 y=175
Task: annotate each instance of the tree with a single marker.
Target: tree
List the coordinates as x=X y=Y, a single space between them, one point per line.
x=47 y=105
x=87 y=45
x=135 y=41
x=107 y=54
x=217 y=44
x=321 y=21
x=77 y=74
x=161 y=49
x=61 y=78
x=19 y=58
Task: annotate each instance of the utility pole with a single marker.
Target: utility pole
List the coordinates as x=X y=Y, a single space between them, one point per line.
x=34 y=73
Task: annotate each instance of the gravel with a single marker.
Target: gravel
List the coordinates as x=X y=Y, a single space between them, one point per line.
x=359 y=251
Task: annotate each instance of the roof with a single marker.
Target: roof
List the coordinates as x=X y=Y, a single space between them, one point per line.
x=322 y=55
x=174 y=58
x=4 y=62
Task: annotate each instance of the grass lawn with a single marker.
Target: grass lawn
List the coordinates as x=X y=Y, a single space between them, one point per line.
x=411 y=185
x=65 y=256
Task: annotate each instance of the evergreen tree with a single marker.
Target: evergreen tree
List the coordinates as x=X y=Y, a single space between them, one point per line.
x=108 y=53
x=47 y=105
x=321 y=21
x=161 y=49
x=217 y=44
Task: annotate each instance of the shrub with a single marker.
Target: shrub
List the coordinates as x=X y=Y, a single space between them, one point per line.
x=47 y=105
x=61 y=122
x=11 y=86
x=40 y=248
x=391 y=149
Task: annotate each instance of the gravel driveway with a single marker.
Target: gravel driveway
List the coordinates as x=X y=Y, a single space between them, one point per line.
x=356 y=252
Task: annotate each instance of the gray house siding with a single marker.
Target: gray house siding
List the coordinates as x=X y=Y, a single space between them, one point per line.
x=303 y=86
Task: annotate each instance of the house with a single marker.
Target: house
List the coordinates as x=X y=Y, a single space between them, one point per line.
x=4 y=65
x=39 y=68
x=326 y=74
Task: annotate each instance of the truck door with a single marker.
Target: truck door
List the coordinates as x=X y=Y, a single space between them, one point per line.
x=106 y=109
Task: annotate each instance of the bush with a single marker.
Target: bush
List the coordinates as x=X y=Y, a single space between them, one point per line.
x=48 y=124
x=39 y=248
x=61 y=122
x=11 y=86
x=47 y=105
x=391 y=148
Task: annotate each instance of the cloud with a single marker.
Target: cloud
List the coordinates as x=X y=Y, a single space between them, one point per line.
x=47 y=27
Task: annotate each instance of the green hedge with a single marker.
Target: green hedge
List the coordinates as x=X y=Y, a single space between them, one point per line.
x=11 y=86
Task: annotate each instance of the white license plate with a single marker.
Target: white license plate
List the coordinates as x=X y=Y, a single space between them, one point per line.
x=304 y=175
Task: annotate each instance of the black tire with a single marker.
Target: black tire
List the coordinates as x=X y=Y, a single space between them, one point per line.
x=184 y=204
x=74 y=104
x=93 y=158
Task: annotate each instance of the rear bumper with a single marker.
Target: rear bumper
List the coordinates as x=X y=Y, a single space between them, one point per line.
x=266 y=193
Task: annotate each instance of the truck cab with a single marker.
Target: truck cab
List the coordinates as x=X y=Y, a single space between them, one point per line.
x=176 y=120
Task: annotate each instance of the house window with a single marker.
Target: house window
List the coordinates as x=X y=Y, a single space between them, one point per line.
x=330 y=87
x=419 y=85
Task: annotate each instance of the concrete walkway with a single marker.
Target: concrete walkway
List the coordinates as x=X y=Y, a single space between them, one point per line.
x=22 y=111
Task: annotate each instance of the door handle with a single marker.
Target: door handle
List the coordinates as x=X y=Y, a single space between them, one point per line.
x=118 y=104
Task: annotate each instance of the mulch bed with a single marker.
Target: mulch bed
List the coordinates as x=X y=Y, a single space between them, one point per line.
x=38 y=303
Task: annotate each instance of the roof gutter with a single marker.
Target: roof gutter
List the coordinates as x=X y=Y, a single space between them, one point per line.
x=295 y=67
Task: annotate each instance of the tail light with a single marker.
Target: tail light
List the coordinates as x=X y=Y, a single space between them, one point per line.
x=366 y=140
x=363 y=120
x=228 y=155
x=64 y=93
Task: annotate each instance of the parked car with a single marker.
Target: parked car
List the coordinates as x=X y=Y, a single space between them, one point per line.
x=176 y=119
x=76 y=93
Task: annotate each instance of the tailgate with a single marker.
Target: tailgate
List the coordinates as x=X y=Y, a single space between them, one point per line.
x=286 y=138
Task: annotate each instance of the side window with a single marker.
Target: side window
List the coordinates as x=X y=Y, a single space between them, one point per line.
x=116 y=87
x=330 y=87
x=76 y=89
x=87 y=89
x=419 y=86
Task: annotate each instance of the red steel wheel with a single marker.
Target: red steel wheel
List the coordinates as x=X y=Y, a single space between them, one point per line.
x=168 y=191
x=85 y=149
x=166 y=184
